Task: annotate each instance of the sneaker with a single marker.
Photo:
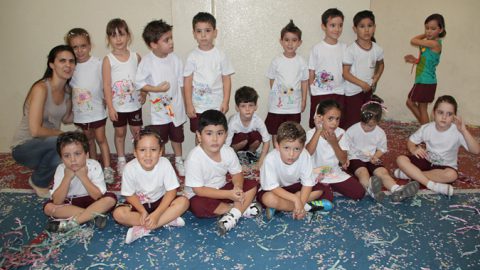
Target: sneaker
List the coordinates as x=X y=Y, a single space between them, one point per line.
x=441 y=188
x=136 y=232
x=180 y=167
x=399 y=174
x=270 y=212
x=61 y=225
x=252 y=211
x=120 y=166
x=375 y=189
x=226 y=223
x=178 y=222
x=100 y=221
x=322 y=204
x=108 y=173
x=251 y=157
x=406 y=191
x=41 y=192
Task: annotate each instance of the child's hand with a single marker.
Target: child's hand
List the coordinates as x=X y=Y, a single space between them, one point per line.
x=151 y=221
x=346 y=164
x=298 y=211
x=317 y=121
x=365 y=87
x=224 y=108
x=237 y=195
x=330 y=137
x=419 y=152
x=143 y=218
x=163 y=87
x=459 y=123
x=190 y=110
x=142 y=97
x=375 y=160
x=410 y=59
x=82 y=173
x=112 y=114
x=68 y=174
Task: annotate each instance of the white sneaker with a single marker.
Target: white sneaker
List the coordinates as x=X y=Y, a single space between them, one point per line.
x=441 y=188
x=252 y=211
x=108 y=174
x=136 y=232
x=178 y=222
x=399 y=174
x=121 y=166
x=180 y=167
x=226 y=223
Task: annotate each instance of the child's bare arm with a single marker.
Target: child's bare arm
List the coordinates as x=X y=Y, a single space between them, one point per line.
x=263 y=154
x=151 y=221
x=162 y=87
x=311 y=76
x=472 y=143
x=416 y=150
x=107 y=88
x=60 y=194
x=420 y=40
x=227 y=88
x=92 y=189
x=187 y=90
x=304 y=94
x=347 y=75
x=379 y=67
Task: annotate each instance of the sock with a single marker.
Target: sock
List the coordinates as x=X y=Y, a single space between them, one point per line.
x=236 y=213
x=179 y=159
x=431 y=185
x=307 y=207
x=122 y=159
x=394 y=188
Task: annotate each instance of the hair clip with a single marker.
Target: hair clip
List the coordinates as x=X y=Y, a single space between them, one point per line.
x=384 y=108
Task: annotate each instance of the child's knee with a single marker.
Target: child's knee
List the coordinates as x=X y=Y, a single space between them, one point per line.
x=270 y=200
x=402 y=159
x=49 y=209
x=451 y=174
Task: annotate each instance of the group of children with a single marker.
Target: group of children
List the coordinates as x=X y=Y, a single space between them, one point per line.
x=342 y=152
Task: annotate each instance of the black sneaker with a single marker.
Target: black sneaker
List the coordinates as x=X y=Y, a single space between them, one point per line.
x=251 y=157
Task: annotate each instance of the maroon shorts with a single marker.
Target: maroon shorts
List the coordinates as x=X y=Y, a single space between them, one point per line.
x=132 y=118
x=357 y=163
x=274 y=120
x=169 y=131
x=327 y=191
x=422 y=93
x=92 y=125
x=315 y=100
x=204 y=207
x=194 y=123
x=250 y=137
x=353 y=106
x=425 y=165
x=85 y=201
x=149 y=207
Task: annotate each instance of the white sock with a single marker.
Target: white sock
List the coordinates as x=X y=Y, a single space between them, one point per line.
x=121 y=159
x=394 y=188
x=236 y=213
x=307 y=207
x=431 y=185
x=179 y=159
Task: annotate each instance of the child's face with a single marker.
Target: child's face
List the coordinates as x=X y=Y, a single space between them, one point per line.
x=119 y=40
x=204 y=34
x=73 y=156
x=81 y=48
x=432 y=30
x=365 y=29
x=290 y=43
x=246 y=110
x=148 y=152
x=212 y=138
x=289 y=150
x=333 y=29
x=369 y=126
x=63 y=65
x=331 y=119
x=444 y=115
x=163 y=46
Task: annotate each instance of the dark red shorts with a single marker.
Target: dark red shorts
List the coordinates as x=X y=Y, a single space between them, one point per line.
x=85 y=201
x=327 y=191
x=194 y=123
x=357 y=163
x=353 y=106
x=274 y=120
x=92 y=125
x=423 y=93
x=132 y=118
x=169 y=131
x=425 y=165
x=204 y=207
x=250 y=137
x=315 y=100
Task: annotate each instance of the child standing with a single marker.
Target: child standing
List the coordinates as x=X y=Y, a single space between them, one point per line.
x=88 y=99
x=161 y=75
x=124 y=103
x=288 y=74
x=325 y=64
x=207 y=72
x=328 y=146
x=368 y=143
x=149 y=185
x=362 y=66
x=436 y=165
x=430 y=45
x=246 y=131
x=79 y=192
x=205 y=180
x=287 y=179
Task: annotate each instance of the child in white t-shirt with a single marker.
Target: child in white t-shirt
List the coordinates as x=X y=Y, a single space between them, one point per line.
x=149 y=185
x=205 y=180
x=287 y=179
x=160 y=74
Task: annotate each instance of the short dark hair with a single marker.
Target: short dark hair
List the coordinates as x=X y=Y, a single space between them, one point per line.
x=446 y=99
x=330 y=14
x=372 y=110
x=324 y=106
x=291 y=28
x=204 y=17
x=147 y=131
x=364 y=14
x=70 y=137
x=246 y=94
x=212 y=117
x=155 y=30
x=291 y=131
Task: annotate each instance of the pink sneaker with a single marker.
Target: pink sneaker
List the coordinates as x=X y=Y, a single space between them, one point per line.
x=135 y=233
x=178 y=222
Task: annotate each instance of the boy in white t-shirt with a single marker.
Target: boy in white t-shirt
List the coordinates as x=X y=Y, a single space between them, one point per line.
x=287 y=179
x=207 y=74
x=288 y=74
x=79 y=193
x=160 y=74
x=246 y=130
x=205 y=180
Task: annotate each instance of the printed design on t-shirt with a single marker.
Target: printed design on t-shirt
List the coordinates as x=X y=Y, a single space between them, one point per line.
x=143 y=198
x=435 y=158
x=124 y=91
x=327 y=172
x=163 y=104
x=83 y=99
x=202 y=93
x=284 y=95
x=324 y=80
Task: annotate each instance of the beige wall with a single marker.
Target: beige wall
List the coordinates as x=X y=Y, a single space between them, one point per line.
x=248 y=31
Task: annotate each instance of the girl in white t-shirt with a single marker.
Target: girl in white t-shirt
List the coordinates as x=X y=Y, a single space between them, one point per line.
x=435 y=166
x=88 y=100
x=149 y=186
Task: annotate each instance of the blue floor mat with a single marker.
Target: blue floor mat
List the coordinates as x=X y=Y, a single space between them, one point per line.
x=427 y=232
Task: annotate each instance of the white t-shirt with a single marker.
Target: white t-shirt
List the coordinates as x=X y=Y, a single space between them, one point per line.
x=442 y=146
x=256 y=124
x=362 y=64
x=124 y=96
x=286 y=93
x=149 y=186
x=76 y=188
x=165 y=107
x=202 y=171
x=363 y=145
x=207 y=68
x=327 y=62
x=275 y=173
x=87 y=90
x=325 y=157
